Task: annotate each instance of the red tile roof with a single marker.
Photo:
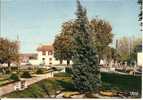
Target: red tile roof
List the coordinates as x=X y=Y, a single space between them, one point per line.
x=45 y=48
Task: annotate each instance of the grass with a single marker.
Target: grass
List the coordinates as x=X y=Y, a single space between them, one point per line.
x=122 y=82
x=43 y=88
x=4 y=79
x=111 y=81
x=62 y=74
x=63 y=81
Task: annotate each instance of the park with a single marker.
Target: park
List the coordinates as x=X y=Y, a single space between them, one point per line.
x=84 y=61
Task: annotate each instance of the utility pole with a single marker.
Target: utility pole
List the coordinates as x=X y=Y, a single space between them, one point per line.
x=18 y=60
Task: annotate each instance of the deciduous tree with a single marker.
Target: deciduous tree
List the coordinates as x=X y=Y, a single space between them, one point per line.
x=8 y=51
x=102 y=35
x=140 y=13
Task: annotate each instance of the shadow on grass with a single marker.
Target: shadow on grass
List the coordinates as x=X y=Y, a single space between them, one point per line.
x=122 y=82
x=67 y=86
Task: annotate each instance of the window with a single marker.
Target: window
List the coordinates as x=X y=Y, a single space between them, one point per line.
x=43 y=60
x=50 y=53
x=43 y=52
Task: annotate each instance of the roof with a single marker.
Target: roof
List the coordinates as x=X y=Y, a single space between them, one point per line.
x=28 y=55
x=45 y=48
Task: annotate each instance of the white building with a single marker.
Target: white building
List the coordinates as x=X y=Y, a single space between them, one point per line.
x=26 y=57
x=140 y=59
x=45 y=56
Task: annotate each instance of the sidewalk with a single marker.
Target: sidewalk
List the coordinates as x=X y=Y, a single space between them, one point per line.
x=11 y=87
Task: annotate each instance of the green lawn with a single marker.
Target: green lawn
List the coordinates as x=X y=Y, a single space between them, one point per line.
x=63 y=81
x=4 y=79
x=122 y=82
x=43 y=88
x=4 y=82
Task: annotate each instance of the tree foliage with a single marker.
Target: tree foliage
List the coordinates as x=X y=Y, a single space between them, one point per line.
x=86 y=74
x=128 y=48
x=137 y=47
x=102 y=35
x=140 y=13
x=63 y=44
x=110 y=53
x=8 y=51
x=123 y=48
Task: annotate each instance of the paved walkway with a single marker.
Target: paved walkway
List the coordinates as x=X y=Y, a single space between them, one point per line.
x=11 y=87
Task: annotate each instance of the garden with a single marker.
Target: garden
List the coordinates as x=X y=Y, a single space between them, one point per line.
x=15 y=74
x=62 y=83
x=85 y=42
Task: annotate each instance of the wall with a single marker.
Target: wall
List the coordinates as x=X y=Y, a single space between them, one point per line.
x=140 y=59
x=47 y=60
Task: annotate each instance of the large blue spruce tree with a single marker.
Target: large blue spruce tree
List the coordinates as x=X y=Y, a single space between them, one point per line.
x=85 y=70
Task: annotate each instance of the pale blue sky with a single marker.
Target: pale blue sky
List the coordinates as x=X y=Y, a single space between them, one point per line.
x=38 y=21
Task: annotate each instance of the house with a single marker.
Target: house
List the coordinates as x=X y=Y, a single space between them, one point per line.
x=25 y=57
x=45 y=56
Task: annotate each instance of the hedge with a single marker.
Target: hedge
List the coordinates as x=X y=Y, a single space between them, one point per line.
x=123 y=82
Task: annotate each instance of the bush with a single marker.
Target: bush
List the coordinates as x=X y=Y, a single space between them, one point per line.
x=40 y=71
x=14 y=68
x=90 y=95
x=68 y=70
x=56 y=69
x=14 y=77
x=30 y=68
x=26 y=74
x=62 y=74
x=7 y=71
x=123 y=82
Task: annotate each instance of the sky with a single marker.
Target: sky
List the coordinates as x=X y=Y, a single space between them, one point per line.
x=37 y=22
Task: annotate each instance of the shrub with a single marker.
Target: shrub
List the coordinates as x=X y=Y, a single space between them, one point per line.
x=40 y=71
x=7 y=71
x=54 y=69
x=62 y=74
x=90 y=95
x=26 y=74
x=68 y=70
x=14 y=68
x=30 y=68
x=123 y=82
x=14 y=77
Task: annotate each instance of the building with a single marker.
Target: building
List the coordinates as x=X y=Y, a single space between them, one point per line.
x=26 y=57
x=140 y=58
x=45 y=56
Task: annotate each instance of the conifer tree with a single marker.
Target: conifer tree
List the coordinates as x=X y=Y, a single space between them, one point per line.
x=85 y=70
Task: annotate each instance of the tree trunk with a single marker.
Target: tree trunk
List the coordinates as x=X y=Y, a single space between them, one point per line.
x=9 y=67
x=61 y=61
x=18 y=70
x=68 y=62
